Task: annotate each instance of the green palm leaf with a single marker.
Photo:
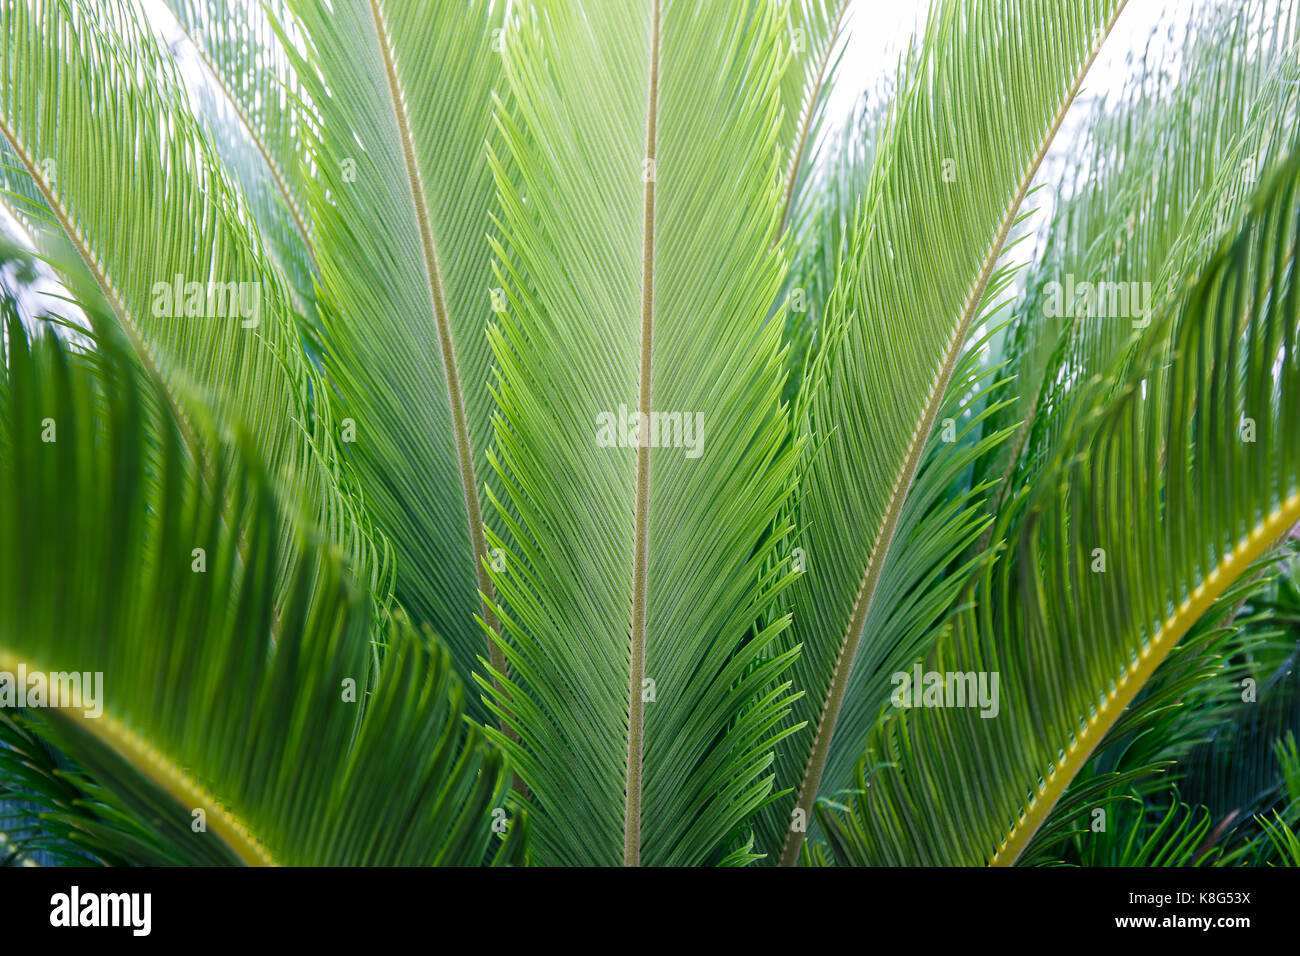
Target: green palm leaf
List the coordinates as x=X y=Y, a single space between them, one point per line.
x=979 y=100
x=825 y=210
x=1139 y=758
x=639 y=267
x=400 y=199
x=141 y=196
x=201 y=711
x=1181 y=503
x=1235 y=770
x=253 y=107
x=1183 y=182
x=813 y=33
x=924 y=581
x=238 y=42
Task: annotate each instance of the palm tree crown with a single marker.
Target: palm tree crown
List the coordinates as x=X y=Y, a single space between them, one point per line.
x=502 y=433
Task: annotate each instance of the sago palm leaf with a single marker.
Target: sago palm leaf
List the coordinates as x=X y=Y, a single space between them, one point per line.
x=57 y=815
x=253 y=107
x=812 y=34
x=96 y=118
x=1176 y=492
x=239 y=44
x=979 y=101
x=1165 y=173
x=923 y=584
x=1139 y=758
x=116 y=560
x=400 y=197
x=639 y=271
x=824 y=213
x=1137 y=835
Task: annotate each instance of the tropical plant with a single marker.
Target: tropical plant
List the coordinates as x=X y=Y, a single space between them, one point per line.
x=502 y=433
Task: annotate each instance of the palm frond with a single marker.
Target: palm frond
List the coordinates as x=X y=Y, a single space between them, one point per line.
x=980 y=98
x=825 y=210
x=120 y=568
x=400 y=198
x=1163 y=176
x=1156 y=504
x=639 y=269
x=238 y=42
x=1142 y=756
x=923 y=582
x=96 y=117
x=1236 y=770
x=251 y=103
x=813 y=34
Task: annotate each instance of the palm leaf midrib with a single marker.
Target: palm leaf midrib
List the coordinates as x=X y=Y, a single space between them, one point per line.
x=641 y=536
x=876 y=560
x=1262 y=537
x=163 y=773
x=438 y=302
x=99 y=273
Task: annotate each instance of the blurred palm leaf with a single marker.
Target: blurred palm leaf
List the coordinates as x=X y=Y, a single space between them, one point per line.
x=201 y=711
x=110 y=155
